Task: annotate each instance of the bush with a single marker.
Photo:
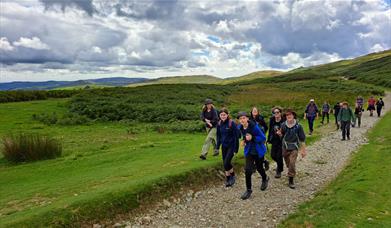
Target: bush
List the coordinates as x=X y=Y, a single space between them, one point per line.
x=30 y=147
x=65 y=120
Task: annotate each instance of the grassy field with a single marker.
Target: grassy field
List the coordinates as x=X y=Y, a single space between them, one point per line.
x=361 y=194
x=101 y=172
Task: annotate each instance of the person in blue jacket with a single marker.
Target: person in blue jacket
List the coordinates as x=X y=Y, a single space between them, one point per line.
x=253 y=140
x=228 y=138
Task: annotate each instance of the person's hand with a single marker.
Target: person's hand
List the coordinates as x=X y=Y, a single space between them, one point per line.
x=243 y=143
x=249 y=137
x=278 y=132
x=303 y=152
x=209 y=124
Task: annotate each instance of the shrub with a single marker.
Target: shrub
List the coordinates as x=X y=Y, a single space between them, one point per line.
x=30 y=147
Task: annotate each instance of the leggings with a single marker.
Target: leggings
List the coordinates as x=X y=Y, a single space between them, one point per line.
x=250 y=161
x=228 y=154
x=276 y=154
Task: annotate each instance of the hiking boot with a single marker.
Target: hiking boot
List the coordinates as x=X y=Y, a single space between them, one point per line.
x=246 y=194
x=216 y=153
x=348 y=137
x=231 y=181
x=267 y=165
x=264 y=184
x=291 y=183
x=202 y=157
x=343 y=139
x=228 y=181
x=278 y=174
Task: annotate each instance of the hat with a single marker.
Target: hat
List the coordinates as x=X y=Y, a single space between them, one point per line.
x=290 y=111
x=312 y=100
x=345 y=103
x=240 y=114
x=208 y=101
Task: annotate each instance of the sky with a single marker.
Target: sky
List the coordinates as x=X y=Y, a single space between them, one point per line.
x=81 y=39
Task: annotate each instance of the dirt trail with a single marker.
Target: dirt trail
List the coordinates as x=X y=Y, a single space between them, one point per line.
x=222 y=207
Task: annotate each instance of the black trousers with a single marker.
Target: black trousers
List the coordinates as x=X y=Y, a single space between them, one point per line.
x=250 y=161
x=336 y=121
x=378 y=110
x=345 y=127
x=276 y=154
x=325 y=114
x=228 y=154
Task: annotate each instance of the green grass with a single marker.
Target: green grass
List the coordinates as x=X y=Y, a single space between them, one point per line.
x=101 y=171
x=361 y=195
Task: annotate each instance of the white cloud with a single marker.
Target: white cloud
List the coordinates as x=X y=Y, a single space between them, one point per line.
x=5 y=45
x=148 y=38
x=33 y=43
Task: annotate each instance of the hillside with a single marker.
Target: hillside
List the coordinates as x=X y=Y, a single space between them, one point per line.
x=191 y=79
x=48 y=85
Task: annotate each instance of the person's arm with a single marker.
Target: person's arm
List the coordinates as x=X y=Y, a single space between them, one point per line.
x=264 y=125
x=236 y=135
x=339 y=115
x=317 y=111
x=302 y=137
x=269 y=138
x=218 y=138
x=214 y=119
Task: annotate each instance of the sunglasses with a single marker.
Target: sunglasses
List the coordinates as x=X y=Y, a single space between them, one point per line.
x=277 y=112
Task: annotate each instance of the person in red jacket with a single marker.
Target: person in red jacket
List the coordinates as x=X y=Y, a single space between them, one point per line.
x=371 y=105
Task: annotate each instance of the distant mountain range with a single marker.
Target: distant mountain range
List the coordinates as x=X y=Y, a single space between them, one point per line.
x=49 y=85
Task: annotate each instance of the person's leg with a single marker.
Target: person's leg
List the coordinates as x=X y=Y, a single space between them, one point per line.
x=208 y=141
x=214 y=141
x=312 y=124
x=336 y=121
x=265 y=179
x=276 y=153
x=229 y=171
x=323 y=116
x=359 y=120
x=285 y=155
x=378 y=110
x=328 y=117
x=343 y=128
x=348 y=129
x=292 y=167
x=248 y=171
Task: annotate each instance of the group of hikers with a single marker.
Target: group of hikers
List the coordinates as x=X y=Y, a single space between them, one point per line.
x=284 y=133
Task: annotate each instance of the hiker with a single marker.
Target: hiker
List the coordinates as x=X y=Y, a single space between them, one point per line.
x=311 y=112
x=345 y=118
x=336 y=108
x=293 y=141
x=228 y=139
x=253 y=140
x=210 y=117
x=379 y=106
x=275 y=140
x=325 y=111
x=258 y=118
x=360 y=101
x=371 y=105
x=358 y=113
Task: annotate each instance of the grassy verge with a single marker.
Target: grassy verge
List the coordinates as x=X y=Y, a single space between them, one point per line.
x=361 y=195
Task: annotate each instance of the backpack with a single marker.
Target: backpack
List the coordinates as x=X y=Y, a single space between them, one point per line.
x=291 y=137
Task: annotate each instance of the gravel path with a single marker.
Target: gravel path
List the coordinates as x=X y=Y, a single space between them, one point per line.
x=222 y=207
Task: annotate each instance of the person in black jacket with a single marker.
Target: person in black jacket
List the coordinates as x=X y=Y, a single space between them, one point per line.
x=228 y=138
x=379 y=106
x=256 y=117
x=210 y=117
x=275 y=140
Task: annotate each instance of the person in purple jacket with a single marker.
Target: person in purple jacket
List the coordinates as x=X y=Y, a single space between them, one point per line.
x=311 y=113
